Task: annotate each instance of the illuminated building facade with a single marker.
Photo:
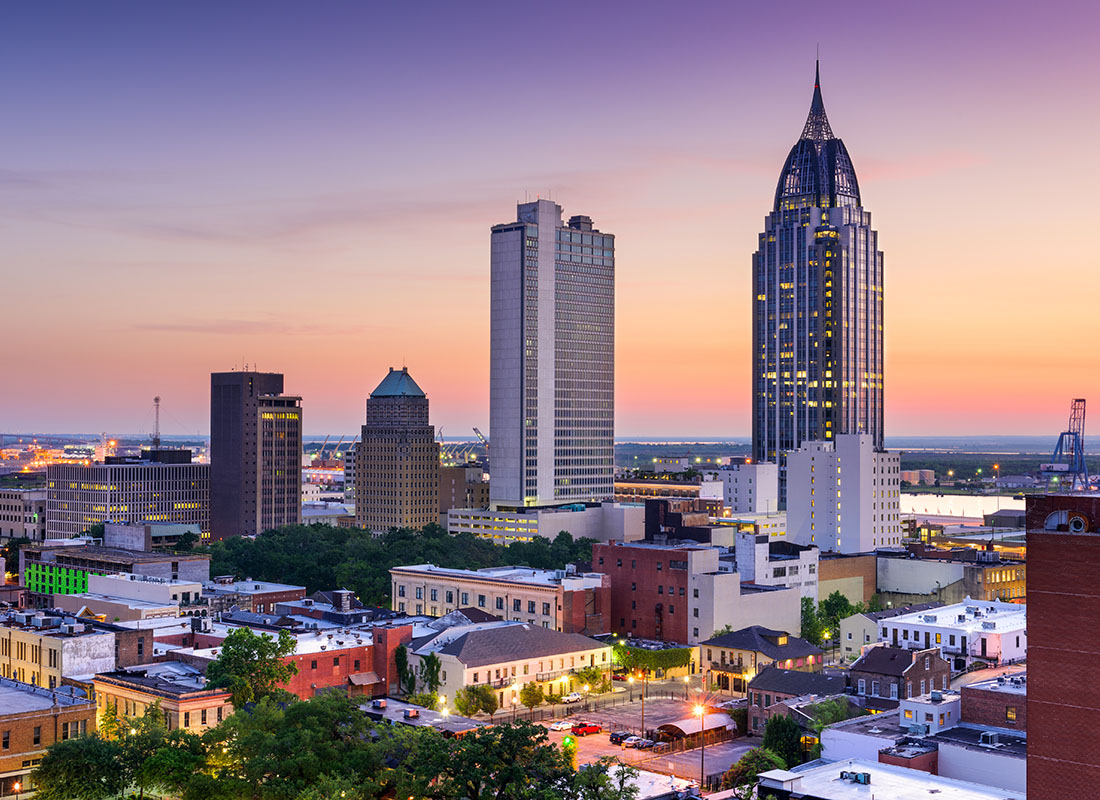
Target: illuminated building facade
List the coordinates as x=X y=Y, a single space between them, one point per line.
x=552 y=360
x=397 y=469
x=255 y=454
x=817 y=303
x=130 y=490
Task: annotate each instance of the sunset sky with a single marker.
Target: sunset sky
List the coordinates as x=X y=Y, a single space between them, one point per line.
x=186 y=187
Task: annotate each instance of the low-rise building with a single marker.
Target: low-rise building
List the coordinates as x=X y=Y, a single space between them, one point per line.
x=999 y=702
x=760 y=560
x=853 y=575
x=853 y=778
x=128 y=597
x=31 y=719
x=750 y=488
x=678 y=592
x=43 y=649
x=185 y=701
x=462 y=487
x=991 y=632
x=773 y=685
x=734 y=659
x=507 y=656
x=639 y=490
x=23 y=514
x=604 y=522
x=860 y=630
x=884 y=675
x=562 y=600
x=923 y=574
x=249 y=595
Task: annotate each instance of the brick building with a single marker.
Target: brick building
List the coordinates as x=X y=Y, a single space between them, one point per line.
x=31 y=719
x=1063 y=703
x=1000 y=702
x=734 y=658
x=773 y=685
x=884 y=675
x=248 y=595
x=854 y=576
x=185 y=702
x=678 y=592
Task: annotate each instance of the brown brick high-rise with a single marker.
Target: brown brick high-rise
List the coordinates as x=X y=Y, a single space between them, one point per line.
x=255 y=454
x=1063 y=606
x=397 y=461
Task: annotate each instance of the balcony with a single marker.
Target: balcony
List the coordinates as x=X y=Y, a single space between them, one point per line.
x=728 y=667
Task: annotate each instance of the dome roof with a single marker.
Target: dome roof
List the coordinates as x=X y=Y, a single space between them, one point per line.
x=398 y=383
x=818 y=169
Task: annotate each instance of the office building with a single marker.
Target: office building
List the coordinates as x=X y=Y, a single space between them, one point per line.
x=817 y=307
x=31 y=719
x=750 y=488
x=397 y=460
x=1063 y=593
x=601 y=521
x=23 y=514
x=552 y=359
x=135 y=490
x=843 y=495
x=255 y=454
x=462 y=487
x=561 y=600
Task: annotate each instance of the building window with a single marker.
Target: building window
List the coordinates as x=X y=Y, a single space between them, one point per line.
x=908 y=713
x=5 y=740
x=530 y=606
x=481 y=601
x=450 y=596
x=893 y=691
x=862 y=686
x=187 y=719
x=37 y=735
x=435 y=595
x=695 y=632
x=874 y=688
x=1010 y=714
x=465 y=598
x=922 y=687
x=500 y=604
x=695 y=593
x=546 y=609
x=927 y=662
x=939 y=638
x=419 y=593
x=202 y=717
x=336 y=661
x=313 y=665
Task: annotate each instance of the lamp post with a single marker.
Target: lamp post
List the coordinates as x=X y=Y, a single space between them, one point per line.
x=701 y=712
x=586 y=689
x=685 y=687
x=643 y=705
x=630 y=680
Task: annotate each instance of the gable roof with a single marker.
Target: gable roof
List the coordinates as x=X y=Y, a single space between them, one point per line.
x=884 y=660
x=515 y=643
x=759 y=639
x=795 y=682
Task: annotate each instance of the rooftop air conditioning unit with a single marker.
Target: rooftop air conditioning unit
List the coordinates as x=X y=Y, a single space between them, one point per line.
x=380 y=703
x=412 y=713
x=937 y=697
x=918 y=729
x=989 y=739
x=989 y=625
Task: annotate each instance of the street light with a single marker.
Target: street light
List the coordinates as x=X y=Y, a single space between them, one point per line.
x=701 y=712
x=685 y=687
x=586 y=688
x=630 y=680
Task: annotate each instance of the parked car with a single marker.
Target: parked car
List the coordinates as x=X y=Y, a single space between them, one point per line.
x=619 y=736
x=561 y=725
x=645 y=744
x=618 y=676
x=573 y=697
x=662 y=747
x=585 y=728
x=632 y=741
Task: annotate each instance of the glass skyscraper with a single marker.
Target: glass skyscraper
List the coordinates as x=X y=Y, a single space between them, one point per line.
x=817 y=302
x=552 y=360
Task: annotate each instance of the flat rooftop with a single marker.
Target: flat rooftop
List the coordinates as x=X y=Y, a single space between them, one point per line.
x=969 y=615
x=514 y=574
x=23 y=698
x=250 y=587
x=1009 y=743
x=129 y=602
x=1015 y=683
x=886 y=781
x=95 y=551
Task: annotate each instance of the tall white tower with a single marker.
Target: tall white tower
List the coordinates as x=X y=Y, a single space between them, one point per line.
x=552 y=361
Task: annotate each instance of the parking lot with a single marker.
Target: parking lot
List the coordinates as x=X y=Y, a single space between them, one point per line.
x=628 y=717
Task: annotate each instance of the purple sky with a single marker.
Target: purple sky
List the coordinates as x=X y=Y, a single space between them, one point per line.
x=185 y=187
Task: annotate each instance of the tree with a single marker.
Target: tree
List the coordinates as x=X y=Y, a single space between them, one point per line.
x=591 y=677
x=505 y=762
x=430 y=668
x=84 y=768
x=811 y=623
x=875 y=604
x=487 y=700
x=636 y=659
x=828 y=712
x=783 y=737
x=406 y=675
x=251 y=665
x=425 y=699
x=467 y=701
x=10 y=552
x=727 y=628
x=173 y=765
x=606 y=778
x=833 y=609
x=743 y=774
x=531 y=696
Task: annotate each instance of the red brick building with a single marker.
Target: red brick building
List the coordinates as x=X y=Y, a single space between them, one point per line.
x=885 y=675
x=1000 y=702
x=774 y=685
x=1063 y=593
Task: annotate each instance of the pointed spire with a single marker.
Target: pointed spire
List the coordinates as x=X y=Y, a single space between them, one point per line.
x=817 y=123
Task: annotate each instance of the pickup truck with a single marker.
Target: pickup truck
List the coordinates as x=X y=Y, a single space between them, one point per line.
x=585 y=728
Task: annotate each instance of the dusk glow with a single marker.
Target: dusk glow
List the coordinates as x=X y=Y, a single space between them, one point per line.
x=309 y=188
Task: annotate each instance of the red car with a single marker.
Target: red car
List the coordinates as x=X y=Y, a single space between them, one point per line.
x=585 y=728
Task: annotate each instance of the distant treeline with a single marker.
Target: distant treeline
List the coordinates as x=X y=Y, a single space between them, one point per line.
x=326 y=557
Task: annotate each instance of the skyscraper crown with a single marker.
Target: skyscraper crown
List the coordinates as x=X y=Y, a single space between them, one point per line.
x=818 y=170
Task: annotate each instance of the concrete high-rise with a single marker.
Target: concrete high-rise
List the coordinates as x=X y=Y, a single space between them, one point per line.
x=552 y=363
x=255 y=454
x=817 y=361
x=397 y=459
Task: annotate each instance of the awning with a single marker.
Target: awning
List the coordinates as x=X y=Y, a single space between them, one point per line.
x=692 y=724
x=364 y=678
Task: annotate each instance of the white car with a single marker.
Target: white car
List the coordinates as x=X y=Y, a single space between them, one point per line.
x=631 y=741
x=573 y=697
x=561 y=725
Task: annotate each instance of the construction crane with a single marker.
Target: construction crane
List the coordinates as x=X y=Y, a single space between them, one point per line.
x=481 y=438
x=1067 y=471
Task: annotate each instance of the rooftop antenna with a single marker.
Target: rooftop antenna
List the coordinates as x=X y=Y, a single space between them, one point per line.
x=156 y=423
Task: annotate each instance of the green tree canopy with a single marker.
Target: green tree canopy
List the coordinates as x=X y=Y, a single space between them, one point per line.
x=638 y=659
x=783 y=737
x=532 y=695
x=251 y=665
x=743 y=773
x=429 y=672
x=84 y=768
x=811 y=622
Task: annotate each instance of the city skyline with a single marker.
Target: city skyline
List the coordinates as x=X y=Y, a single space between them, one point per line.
x=223 y=202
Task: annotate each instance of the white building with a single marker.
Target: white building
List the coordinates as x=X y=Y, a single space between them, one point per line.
x=750 y=488
x=843 y=496
x=837 y=781
x=23 y=513
x=986 y=630
x=552 y=359
x=605 y=522
x=768 y=563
